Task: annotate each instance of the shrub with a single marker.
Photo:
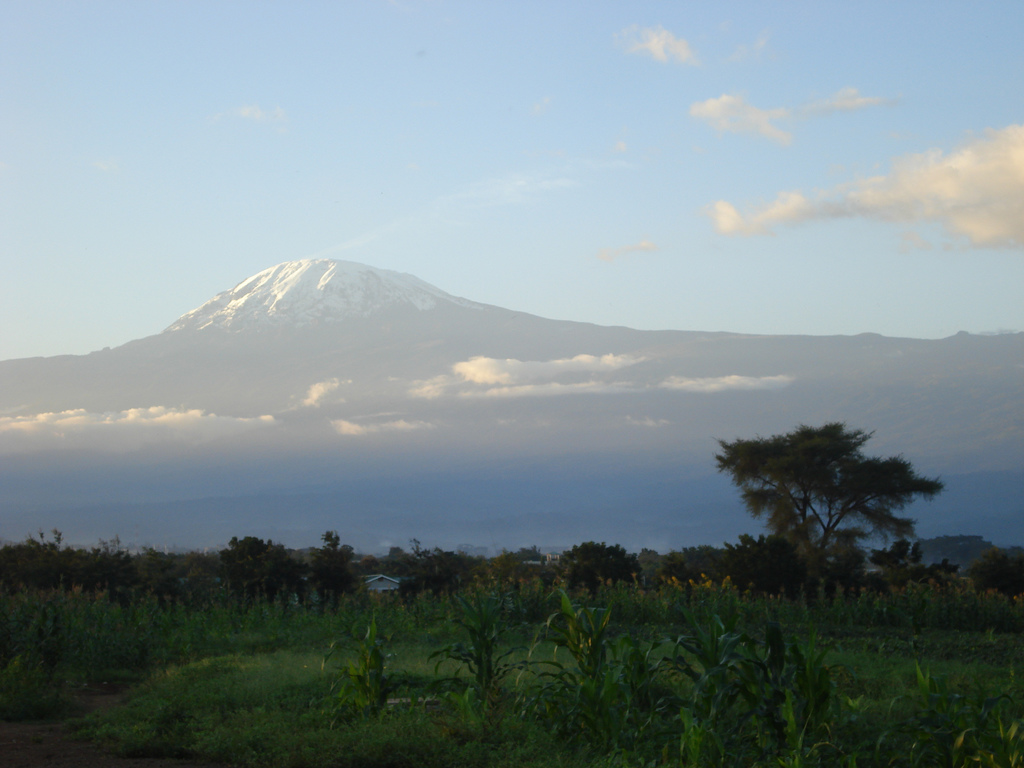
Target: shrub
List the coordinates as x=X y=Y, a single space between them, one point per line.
x=996 y=569
x=27 y=691
x=590 y=565
x=768 y=566
x=252 y=567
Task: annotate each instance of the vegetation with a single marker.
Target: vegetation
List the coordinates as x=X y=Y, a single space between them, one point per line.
x=815 y=486
x=252 y=567
x=701 y=674
x=590 y=565
x=999 y=570
x=781 y=650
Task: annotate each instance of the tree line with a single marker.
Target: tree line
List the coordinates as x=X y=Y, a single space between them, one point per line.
x=252 y=568
x=819 y=496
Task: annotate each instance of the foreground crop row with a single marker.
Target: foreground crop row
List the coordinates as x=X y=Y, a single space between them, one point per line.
x=703 y=676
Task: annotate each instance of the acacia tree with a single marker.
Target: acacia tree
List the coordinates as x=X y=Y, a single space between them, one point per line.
x=816 y=487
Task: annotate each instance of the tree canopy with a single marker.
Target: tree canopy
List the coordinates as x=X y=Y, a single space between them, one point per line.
x=816 y=487
x=770 y=566
x=330 y=571
x=253 y=567
x=591 y=564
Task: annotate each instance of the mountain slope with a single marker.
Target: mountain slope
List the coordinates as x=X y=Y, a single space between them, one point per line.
x=324 y=374
x=311 y=292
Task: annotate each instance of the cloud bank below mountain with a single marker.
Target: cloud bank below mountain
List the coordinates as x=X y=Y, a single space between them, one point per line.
x=120 y=430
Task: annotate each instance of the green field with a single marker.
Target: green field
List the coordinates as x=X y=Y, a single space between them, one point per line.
x=699 y=674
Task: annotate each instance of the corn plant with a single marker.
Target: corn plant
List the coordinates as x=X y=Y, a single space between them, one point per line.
x=815 y=704
x=583 y=632
x=751 y=700
x=951 y=729
x=364 y=684
x=26 y=690
x=1004 y=748
x=581 y=698
x=764 y=684
x=606 y=694
x=482 y=619
x=698 y=744
x=710 y=656
x=788 y=689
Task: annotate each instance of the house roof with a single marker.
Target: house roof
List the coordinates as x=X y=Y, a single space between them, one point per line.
x=379 y=576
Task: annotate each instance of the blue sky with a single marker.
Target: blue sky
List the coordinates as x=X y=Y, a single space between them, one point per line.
x=813 y=168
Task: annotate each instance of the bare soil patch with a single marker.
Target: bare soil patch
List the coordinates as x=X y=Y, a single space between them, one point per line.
x=50 y=745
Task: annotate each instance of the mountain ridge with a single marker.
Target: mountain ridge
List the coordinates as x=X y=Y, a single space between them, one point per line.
x=396 y=385
x=310 y=291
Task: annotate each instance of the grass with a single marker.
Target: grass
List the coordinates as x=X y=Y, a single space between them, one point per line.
x=275 y=709
x=247 y=684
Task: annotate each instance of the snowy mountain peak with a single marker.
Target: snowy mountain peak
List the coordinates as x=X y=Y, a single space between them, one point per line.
x=310 y=292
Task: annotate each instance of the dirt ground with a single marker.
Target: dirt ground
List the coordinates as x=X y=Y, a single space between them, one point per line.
x=48 y=745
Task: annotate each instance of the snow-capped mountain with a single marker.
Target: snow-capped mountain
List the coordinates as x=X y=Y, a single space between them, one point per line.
x=313 y=291
x=326 y=394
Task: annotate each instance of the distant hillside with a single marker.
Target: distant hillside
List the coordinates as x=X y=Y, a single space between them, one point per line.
x=325 y=394
x=959 y=550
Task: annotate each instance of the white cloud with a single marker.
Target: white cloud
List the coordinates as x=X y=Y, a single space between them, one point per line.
x=753 y=51
x=432 y=388
x=351 y=428
x=489 y=370
x=513 y=189
x=542 y=106
x=610 y=254
x=318 y=391
x=120 y=429
x=656 y=42
x=107 y=166
x=552 y=388
x=733 y=114
x=647 y=421
x=620 y=147
x=154 y=416
x=976 y=191
x=493 y=377
x=843 y=100
x=911 y=241
x=788 y=206
x=724 y=383
x=255 y=113
x=488 y=377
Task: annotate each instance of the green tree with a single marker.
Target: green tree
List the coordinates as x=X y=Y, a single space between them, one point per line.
x=650 y=562
x=201 y=575
x=591 y=564
x=901 y=564
x=675 y=569
x=253 y=567
x=160 y=574
x=506 y=570
x=331 y=568
x=768 y=566
x=816 y=487
x=437 y=570
x=997 y=569
x=43 y=564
